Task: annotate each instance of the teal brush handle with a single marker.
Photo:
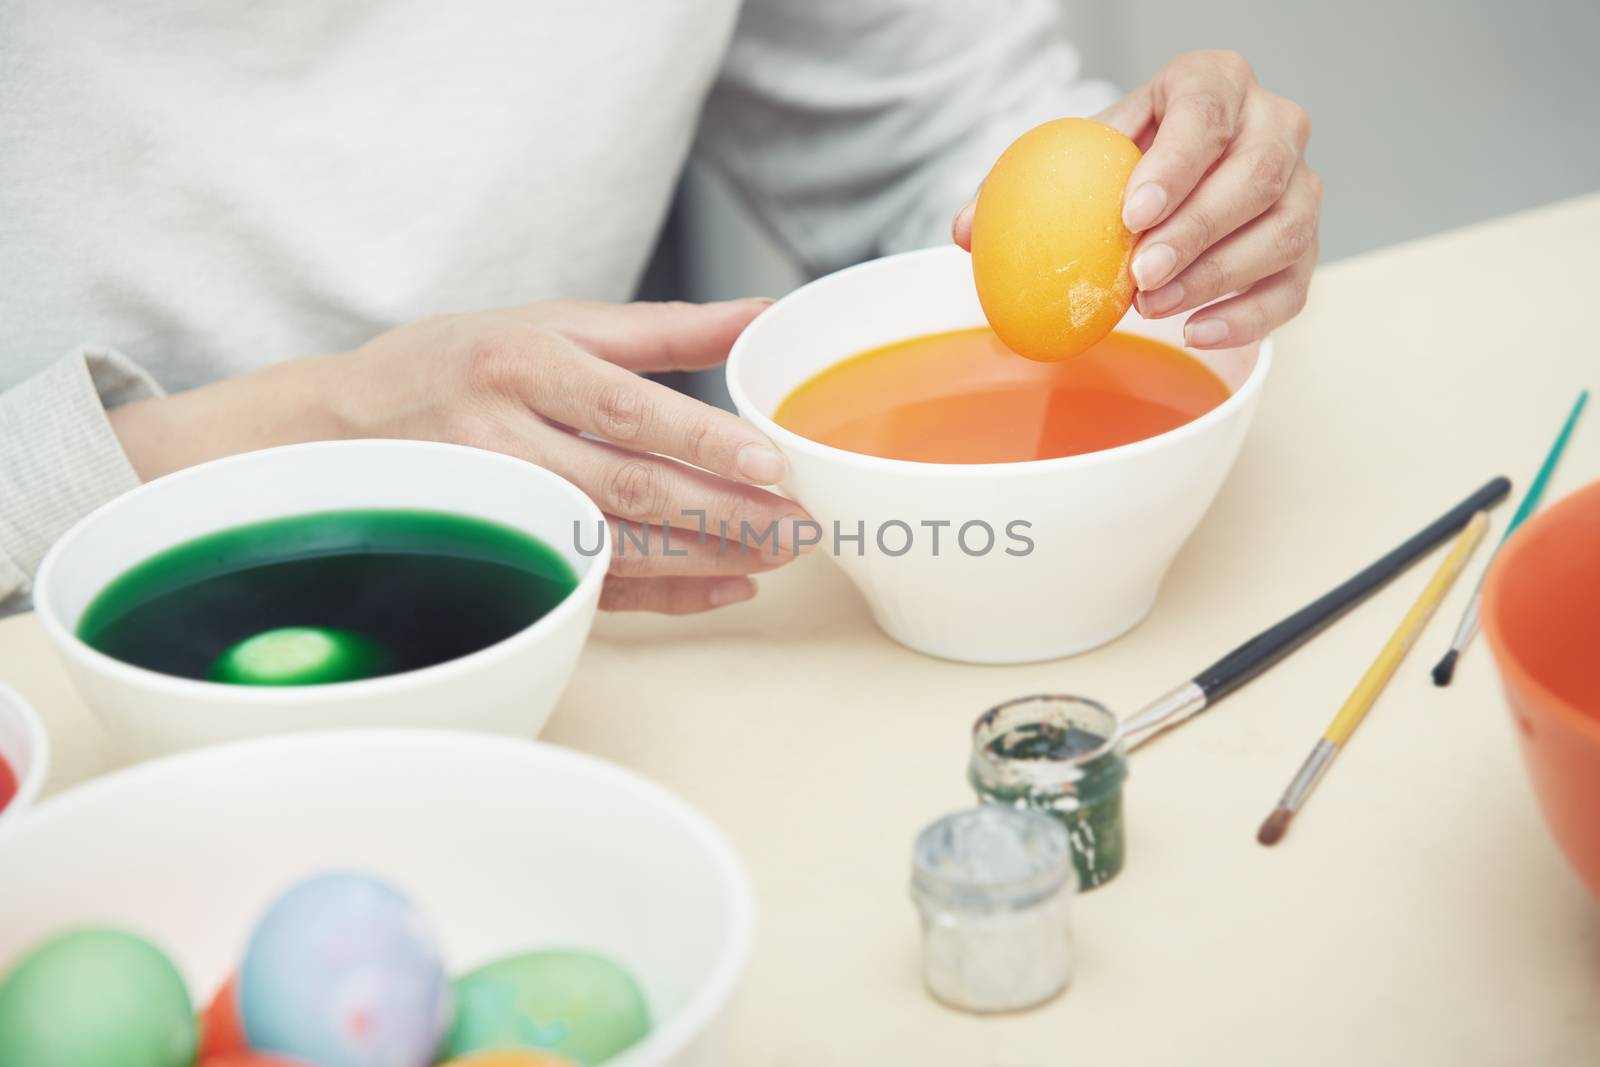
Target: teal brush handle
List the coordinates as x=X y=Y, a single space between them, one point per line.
x=1530 y=499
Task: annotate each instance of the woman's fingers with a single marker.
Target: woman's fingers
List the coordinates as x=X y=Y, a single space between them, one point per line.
x=641 y=550
x=673 y=596
x=1252 y=177
x=1254 y=313
x=653 y=490
x=1284 y=235
x=669 y=471
x=1197 y=99
x=570 y=386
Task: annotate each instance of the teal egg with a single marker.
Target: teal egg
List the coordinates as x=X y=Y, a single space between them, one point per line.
x=96 y=998
x=299 y=655
x=578 y=1004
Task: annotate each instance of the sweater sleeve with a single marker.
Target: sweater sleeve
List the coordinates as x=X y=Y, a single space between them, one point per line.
x=59 y=458
x=856 y=128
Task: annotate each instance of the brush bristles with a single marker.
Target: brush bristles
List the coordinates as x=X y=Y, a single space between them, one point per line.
x=1275 y=827
x=1445 y=669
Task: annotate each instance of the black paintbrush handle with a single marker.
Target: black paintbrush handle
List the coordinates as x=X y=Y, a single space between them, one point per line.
x=1272 y=644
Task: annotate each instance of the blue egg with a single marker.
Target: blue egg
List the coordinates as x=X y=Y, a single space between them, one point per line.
x=342 y=972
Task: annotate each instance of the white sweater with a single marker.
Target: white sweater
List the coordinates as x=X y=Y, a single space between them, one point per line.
x=190 y=190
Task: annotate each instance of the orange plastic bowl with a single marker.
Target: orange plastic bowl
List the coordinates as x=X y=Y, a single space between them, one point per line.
x=1541 y=615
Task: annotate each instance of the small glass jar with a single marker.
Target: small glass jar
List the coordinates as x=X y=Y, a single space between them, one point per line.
x=993 y=886
x=1061 y=755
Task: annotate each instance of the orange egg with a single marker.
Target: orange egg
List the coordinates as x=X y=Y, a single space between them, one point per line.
x=1049 y=250
x=221 y=1032
x=222 y=1040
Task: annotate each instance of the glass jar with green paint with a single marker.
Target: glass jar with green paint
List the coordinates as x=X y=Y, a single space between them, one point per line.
x=1061 y=755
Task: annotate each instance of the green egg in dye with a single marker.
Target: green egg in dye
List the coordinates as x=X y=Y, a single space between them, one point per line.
x=577 y=1004
x=419 y=587
x=299 y=655
x=96 y=998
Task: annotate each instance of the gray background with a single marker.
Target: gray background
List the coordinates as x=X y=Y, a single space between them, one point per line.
x=1426 y=115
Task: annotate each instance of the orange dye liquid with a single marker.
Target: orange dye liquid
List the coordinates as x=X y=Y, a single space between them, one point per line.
x=964 y=397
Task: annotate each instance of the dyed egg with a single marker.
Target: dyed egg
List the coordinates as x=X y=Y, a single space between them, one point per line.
x=515 y=1057
x=1049 y=251
x=341 y=972
x=8 y=783
x=250 y=1059
x=578 y=1004
x=95 y=998
x=221 y=1029
x=298 y=655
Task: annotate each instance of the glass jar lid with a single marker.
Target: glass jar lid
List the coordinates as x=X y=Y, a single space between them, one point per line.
x=992 y=858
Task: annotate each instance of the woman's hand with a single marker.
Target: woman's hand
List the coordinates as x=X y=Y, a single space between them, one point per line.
x=529 y=382
x=1223 y=199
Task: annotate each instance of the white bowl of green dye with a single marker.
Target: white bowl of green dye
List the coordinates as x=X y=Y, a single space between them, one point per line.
x=508 y=687
x=504 y=845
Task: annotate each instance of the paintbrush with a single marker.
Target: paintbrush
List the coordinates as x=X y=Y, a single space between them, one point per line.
x=1183 y=703
x=1366 y=692
x=1445 y=669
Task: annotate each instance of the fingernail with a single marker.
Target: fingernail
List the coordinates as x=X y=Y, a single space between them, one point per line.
x=1143 y=207
x=762 y=464
x=1162 y=300
x=732 y=591
x=1207 y=333
x=755 y=301
x=1153 y=266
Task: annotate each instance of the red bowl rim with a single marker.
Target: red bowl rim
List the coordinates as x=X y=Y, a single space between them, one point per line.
x=1515 y=673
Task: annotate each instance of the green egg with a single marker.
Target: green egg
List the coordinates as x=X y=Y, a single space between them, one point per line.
x=299 y=655
x=96 y=998
x=583 y=1006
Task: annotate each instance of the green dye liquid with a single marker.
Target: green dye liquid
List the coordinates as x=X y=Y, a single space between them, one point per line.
x=1045 y=741
x=398 y=589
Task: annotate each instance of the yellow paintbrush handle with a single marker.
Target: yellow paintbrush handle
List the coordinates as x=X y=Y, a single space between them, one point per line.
x=1366 y=691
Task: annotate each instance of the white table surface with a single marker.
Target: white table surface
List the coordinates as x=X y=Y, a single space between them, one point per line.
x=1417 y=913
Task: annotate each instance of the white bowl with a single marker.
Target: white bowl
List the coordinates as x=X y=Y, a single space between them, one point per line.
x=1104 y=526
x=509 y=687
x=506 y=845
x=25 y=746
